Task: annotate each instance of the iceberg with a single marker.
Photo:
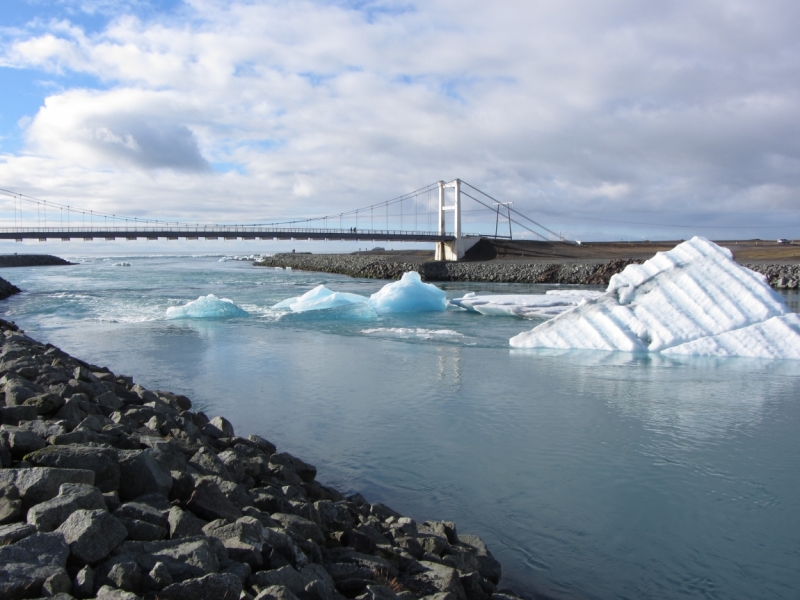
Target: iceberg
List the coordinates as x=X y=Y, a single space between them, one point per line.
x=409 y=294
x=320 y=298
x=206 y=307
x=693 y=299
x=526 y=306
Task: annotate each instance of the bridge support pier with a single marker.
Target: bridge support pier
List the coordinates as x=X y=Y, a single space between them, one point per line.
x=455 y=250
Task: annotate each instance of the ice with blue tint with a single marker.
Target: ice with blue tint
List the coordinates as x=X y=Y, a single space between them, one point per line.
x=206 y=307
x=409 y=294
x=693 y=299
x=320 y=298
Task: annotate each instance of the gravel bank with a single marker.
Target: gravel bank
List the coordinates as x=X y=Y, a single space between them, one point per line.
x=112 y=491
x=780 y=276
x=31 y=260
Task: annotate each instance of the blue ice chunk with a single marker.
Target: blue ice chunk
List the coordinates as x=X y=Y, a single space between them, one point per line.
x=356 y=311
x=409 y=294
x=206 y=307
x=320 y=298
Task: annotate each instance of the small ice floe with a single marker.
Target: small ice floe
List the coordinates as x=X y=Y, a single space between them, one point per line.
x=320 y=298
x=418 y=332
x=409 y=294
x=206 y=307
x=526 y=306
x=122 y=264
x=693 y=299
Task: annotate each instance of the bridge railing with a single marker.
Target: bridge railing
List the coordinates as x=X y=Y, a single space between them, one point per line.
x=218 y=229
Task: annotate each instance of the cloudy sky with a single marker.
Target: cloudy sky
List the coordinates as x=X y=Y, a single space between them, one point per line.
x=604 y=119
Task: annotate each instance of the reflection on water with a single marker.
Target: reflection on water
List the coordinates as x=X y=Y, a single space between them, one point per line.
x=589 y=474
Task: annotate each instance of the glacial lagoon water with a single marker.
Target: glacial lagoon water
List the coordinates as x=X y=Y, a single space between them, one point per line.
x=589 y=474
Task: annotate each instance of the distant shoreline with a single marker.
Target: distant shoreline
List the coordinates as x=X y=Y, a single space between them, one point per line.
x=31 y=260
x=535 y=262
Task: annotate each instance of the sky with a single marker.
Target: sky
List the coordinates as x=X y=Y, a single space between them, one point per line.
x=601 y=119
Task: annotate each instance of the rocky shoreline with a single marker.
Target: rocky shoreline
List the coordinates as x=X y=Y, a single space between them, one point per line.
x=780 y=276
x=31 y=260
x=112 y=491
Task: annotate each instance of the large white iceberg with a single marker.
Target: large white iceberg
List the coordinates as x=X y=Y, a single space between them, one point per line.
x=527 y=306
x=409 y=294
x=320 y=298
x=206 y=307
x=693 y=299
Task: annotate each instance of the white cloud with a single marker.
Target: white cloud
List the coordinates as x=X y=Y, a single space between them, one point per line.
x=309 y=107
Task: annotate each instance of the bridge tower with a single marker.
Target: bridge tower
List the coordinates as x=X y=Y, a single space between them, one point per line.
x=456 y=249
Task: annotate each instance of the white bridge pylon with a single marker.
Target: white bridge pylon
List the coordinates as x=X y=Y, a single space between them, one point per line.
x=456 y=249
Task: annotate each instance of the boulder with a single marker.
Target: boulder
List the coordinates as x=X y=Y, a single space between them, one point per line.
x=108 y=593
x=207 y=463
x=14 y=532
x=434 y=579
x=276 y=592
x=287 y=577
x=265 y=446
x=18 y=390
x=57 y=585
x=44 y=429
x=109 y=400
x=305 y=471
x=488 y=566
x=29 y=563
x=215 y=586
x=20 y=441
x=378 y=592
x=103 y=461
x=243 y=539
x=142 y=511
x=143 y=531
x=45 y=404
x=142 y=474
x=183 y=523
x=125 y=576
x=12 y=415
x=185 y=558
x=48 y=515
x=208 y=502
x=300 y=527
x=42 y=483
x=10 y=503
x=92 y=534
x=219 y=427
x=158 y=578
x=83 y=584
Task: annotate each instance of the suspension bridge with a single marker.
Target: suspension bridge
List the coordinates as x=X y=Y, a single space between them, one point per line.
x=419 y=216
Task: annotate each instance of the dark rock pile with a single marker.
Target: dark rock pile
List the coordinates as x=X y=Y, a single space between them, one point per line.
x=112 y=491
x=779 y=276
x=31 y=260
x=7 y=289
x=379 y=267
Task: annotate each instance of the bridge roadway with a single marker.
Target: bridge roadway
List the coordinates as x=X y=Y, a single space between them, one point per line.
x=215 y=232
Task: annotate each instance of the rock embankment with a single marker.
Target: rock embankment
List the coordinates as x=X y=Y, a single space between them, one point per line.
x=780 y=276
x=379 y=267
x=113 y=491
x=31 y=260
x=7 y=289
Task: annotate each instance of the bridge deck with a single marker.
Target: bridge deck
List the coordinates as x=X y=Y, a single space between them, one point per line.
x=224 y=232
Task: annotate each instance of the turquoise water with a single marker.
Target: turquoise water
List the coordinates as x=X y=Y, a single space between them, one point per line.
x=589 y=475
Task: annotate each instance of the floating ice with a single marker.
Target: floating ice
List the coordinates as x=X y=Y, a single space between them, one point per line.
x=409 y=294
x=320 y=298
x=206 y=307
x=418 y=332
x=527 y=306
x=693 y=299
